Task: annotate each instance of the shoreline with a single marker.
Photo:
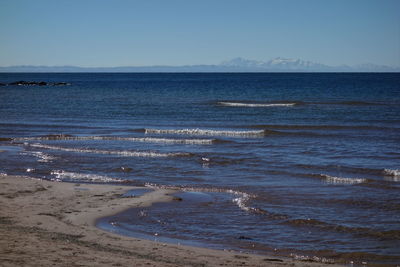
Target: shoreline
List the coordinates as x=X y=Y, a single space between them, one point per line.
x=45 y=223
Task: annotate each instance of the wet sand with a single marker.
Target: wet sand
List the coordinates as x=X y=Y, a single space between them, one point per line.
x=45 y=223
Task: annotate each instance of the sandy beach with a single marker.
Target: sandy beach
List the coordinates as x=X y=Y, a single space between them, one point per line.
x=45 y=223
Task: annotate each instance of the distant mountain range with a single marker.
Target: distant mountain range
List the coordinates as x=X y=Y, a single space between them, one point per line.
x=234 y=65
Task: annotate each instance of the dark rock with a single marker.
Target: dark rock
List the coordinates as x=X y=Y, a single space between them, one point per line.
x=33 y=83
x=270 y=259
x=242 y=237
x=18 y=83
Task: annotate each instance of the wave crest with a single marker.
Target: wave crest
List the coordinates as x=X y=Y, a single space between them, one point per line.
x=41 y=157
x=343 y=180
x=132 y=139
x=123 y=153
x=207 y=132
x=256 y=105
x=391 y=172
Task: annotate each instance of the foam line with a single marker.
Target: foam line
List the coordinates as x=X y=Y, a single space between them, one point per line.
x=207 y=132
x=343 y=180
x=256 y=105
x=64 y=175
x=132 y=139
x=123 y=153
x=391 y=172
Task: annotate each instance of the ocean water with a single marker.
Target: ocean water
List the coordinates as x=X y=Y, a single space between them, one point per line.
x=304 y=165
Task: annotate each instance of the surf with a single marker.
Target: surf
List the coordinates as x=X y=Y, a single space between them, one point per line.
x=207 y=132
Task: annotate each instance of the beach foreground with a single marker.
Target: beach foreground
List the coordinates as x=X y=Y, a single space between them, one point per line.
x=45 y=223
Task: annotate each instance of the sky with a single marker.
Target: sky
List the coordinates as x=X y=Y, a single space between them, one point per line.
x=106 y=33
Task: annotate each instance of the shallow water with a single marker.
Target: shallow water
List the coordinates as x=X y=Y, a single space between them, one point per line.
x=301 y=164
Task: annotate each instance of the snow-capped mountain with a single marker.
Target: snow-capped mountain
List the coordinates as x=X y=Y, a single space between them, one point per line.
x=294 y=65
x=278 y=63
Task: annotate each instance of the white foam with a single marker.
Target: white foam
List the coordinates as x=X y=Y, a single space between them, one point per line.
x=63 y=175
x=241 y=200
x=123 y=153
x=314 y=258
x=391 y=172
x=255 y=105
x=132 y=139
x=170 y=140
x=42 y=157
x=392 y=175
x=343 y=180
x=207 y=132
x=240 y=197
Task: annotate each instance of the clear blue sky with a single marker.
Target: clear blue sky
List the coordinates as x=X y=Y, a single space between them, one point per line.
x=178 y=32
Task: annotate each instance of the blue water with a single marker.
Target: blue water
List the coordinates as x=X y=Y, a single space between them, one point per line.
x=301 y=164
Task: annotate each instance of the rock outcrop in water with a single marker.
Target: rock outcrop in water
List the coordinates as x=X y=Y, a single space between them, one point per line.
x=34 y=83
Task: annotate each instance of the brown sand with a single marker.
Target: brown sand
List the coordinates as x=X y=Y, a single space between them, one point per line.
x=46 y=223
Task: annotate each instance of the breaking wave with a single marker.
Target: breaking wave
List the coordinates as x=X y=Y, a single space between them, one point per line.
x=149 y=154
x=132 y=139
x=391 y=172
x=61 y=175
x=41 y=157
x=342 y=180
x=240 y=198
x=207 y=132
x=256 y=105
x=392 y=175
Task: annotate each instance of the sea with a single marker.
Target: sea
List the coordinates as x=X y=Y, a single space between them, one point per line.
x=303 y=165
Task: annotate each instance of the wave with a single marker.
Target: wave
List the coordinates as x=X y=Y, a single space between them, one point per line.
x=150 y=154
x=343 y=180
x=42 y=157
x=207 y=132
x=240 y=198
x=242 y=202
x=255 y=105
x=391 y=172
x=132 y=139
x=61 y=175
x=293 y=103
x=392 y=175
x=352 y=169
